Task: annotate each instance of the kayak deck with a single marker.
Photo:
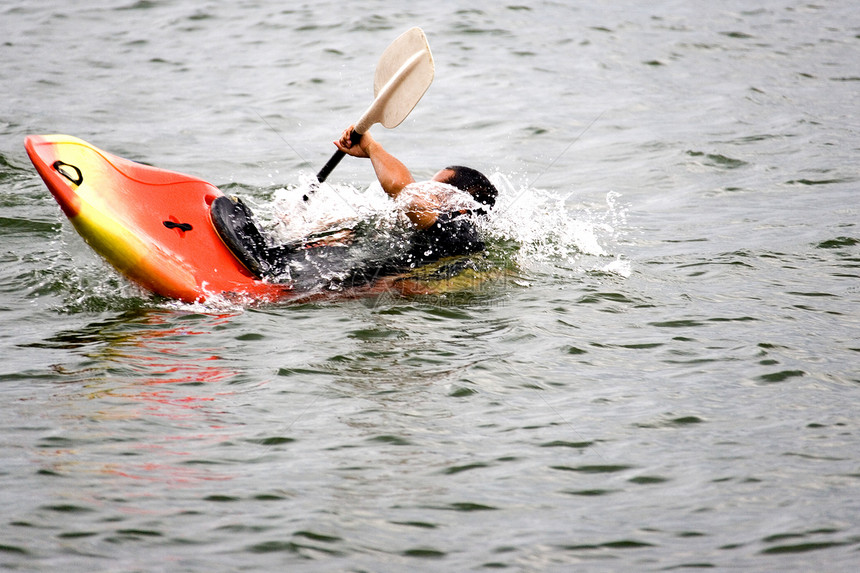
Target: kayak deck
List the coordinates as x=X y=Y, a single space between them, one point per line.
x=154 y=226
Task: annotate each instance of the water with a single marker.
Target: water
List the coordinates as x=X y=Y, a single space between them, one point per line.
x=658 y=372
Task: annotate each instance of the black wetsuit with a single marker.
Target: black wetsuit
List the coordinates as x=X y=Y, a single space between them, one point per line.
x=336 y=267
x=452 y=235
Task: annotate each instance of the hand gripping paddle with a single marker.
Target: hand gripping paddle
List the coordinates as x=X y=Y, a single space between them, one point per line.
x=404 y=72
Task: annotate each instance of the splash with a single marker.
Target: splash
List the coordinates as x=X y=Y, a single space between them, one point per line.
x=544 y=228
x=308 y=208
x=214 y=304
x=552 y=230
x=74 y=279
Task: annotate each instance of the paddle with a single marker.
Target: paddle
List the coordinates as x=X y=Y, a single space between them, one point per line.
x=404 y=72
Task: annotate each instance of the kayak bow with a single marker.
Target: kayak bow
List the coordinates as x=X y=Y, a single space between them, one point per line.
x=154 y=226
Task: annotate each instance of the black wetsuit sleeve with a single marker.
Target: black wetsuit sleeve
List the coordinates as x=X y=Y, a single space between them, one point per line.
x=447 y=237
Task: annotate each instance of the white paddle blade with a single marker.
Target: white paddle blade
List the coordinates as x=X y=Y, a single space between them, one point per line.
x=404 y=72
x=394 y=56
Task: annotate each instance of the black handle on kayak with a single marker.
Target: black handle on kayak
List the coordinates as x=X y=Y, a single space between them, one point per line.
x=355 y=138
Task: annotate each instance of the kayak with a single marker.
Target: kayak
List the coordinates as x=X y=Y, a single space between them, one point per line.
x=156 y=227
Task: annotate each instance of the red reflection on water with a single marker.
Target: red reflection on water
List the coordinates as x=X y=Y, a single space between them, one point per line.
x=153 y=411
x=165 y=473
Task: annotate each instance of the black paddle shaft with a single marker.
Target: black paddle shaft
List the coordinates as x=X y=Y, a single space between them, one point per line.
x=354 y=137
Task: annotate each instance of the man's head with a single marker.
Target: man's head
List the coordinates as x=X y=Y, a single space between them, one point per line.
x=471 y=181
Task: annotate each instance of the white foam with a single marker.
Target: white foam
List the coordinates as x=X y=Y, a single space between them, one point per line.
x=619 y=266
x=212 y=303
x=549 y=229
x=291 y=217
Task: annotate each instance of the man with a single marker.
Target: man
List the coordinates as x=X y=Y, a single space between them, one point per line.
x=441 y=210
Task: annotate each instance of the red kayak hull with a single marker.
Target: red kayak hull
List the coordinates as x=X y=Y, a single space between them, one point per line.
x=152 y=225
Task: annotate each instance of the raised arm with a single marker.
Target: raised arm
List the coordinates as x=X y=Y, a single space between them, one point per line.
x=391 y=173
